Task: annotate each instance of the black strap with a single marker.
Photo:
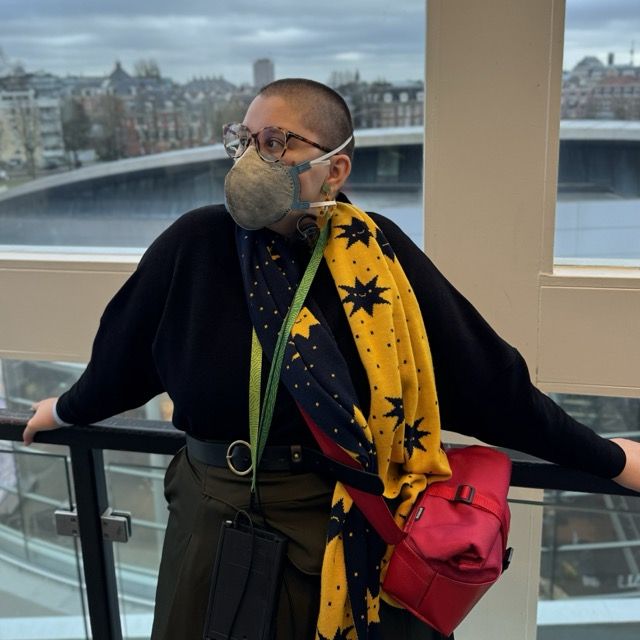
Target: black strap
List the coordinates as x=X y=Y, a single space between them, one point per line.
x=293 y=458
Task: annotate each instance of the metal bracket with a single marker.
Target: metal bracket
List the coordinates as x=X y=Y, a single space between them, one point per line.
x=116 y=525
x=67 y=522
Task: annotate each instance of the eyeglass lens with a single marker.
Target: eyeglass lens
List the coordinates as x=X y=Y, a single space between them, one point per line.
x=235 y=138
x=271 y=142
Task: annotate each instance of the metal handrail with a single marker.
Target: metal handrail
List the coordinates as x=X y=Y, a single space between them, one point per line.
x=154 y=436
x=86 y=444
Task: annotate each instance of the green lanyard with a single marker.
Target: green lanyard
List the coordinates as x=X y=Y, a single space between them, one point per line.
x=260 y=418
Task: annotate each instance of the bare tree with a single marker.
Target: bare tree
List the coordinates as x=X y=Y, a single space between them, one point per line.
x=591 y=107
x=147 y=68
x=25 y=117
x=76 y=127
x=2 y=138
x=111 y=140
x=4 y=61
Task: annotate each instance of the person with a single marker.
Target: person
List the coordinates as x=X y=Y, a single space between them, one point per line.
x=214 y=287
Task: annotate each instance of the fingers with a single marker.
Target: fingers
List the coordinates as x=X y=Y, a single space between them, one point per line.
x=42 y=419
x=27 y=435
x=31 y=429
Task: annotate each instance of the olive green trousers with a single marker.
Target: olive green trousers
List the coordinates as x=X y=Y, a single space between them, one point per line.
x=200 y=498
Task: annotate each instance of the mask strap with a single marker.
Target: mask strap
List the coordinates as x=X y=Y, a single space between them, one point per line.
x=321 y=160
x=325 y=158
x=322 y=203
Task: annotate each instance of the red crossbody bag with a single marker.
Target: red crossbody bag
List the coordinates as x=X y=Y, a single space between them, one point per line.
x=454 y=544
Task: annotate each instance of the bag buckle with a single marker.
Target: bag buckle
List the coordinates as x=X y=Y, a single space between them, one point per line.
x=229 y=457
x=465 y=493
x=508 y=556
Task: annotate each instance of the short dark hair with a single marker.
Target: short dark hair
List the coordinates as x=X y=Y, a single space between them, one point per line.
x=325 y=109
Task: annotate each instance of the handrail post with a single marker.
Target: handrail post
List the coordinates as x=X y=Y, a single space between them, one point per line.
x=97 y=554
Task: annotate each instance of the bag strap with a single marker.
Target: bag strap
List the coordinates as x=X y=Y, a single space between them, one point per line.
x=473 y=499
x=373 y=507
x=453 y=494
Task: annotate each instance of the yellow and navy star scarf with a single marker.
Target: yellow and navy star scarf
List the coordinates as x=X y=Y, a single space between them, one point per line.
x=399 y=439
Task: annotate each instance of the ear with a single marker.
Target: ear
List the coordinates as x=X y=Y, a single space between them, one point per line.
x=339 y=171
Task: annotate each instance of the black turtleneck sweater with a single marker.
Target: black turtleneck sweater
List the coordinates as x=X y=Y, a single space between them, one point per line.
x=180 y=324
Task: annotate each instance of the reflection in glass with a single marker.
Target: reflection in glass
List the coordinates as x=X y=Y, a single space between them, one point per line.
x=24 y=381
x=40 y=572
x=590 y=565
x=135 y=484
x=35 y=483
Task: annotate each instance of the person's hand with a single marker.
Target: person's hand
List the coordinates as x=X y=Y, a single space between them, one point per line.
x=42 y=420
x=630 y=476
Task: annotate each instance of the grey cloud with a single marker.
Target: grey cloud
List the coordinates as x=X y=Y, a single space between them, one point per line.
x=597 y=27
x=205 y=37
x=198 y=37
x=600 y=14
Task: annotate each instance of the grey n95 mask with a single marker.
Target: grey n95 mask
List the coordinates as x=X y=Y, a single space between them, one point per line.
x=258 y=193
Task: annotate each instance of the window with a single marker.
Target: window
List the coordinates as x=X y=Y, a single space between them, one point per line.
x=598 y=177
x=117 y=109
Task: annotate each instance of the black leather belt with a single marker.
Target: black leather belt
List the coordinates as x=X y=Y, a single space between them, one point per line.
x=236 y=456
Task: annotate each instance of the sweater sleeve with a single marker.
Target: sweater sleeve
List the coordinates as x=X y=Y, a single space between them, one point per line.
x=483 y=383
x=121 y=373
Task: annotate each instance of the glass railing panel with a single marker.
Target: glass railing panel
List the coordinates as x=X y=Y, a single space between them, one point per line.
x=590 y=567
x=590 y=574
x=609 y=416
x=41 y=585
x=24 y=381
x=135 y=485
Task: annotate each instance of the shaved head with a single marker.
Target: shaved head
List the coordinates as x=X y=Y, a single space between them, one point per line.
x=323 y=110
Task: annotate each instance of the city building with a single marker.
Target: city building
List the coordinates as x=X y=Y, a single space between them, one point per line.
x=30 y=130
x=263 y=72
x=597 y=91
x=384 y=104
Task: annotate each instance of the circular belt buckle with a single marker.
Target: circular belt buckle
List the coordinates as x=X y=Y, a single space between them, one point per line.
x=229 y=457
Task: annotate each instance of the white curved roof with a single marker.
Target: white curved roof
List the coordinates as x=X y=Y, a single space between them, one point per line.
x=626 y=130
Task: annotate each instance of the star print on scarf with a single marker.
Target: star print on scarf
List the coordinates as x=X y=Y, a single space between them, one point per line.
x=399 y=439
x=364 y=295
x=356 y=231
x=397 y=412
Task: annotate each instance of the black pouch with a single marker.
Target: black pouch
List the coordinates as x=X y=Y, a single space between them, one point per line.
x=245 y=583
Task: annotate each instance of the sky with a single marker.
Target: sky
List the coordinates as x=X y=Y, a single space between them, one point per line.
x=380 y=38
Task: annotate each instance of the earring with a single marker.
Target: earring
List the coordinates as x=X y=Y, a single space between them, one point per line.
x=325 y=189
